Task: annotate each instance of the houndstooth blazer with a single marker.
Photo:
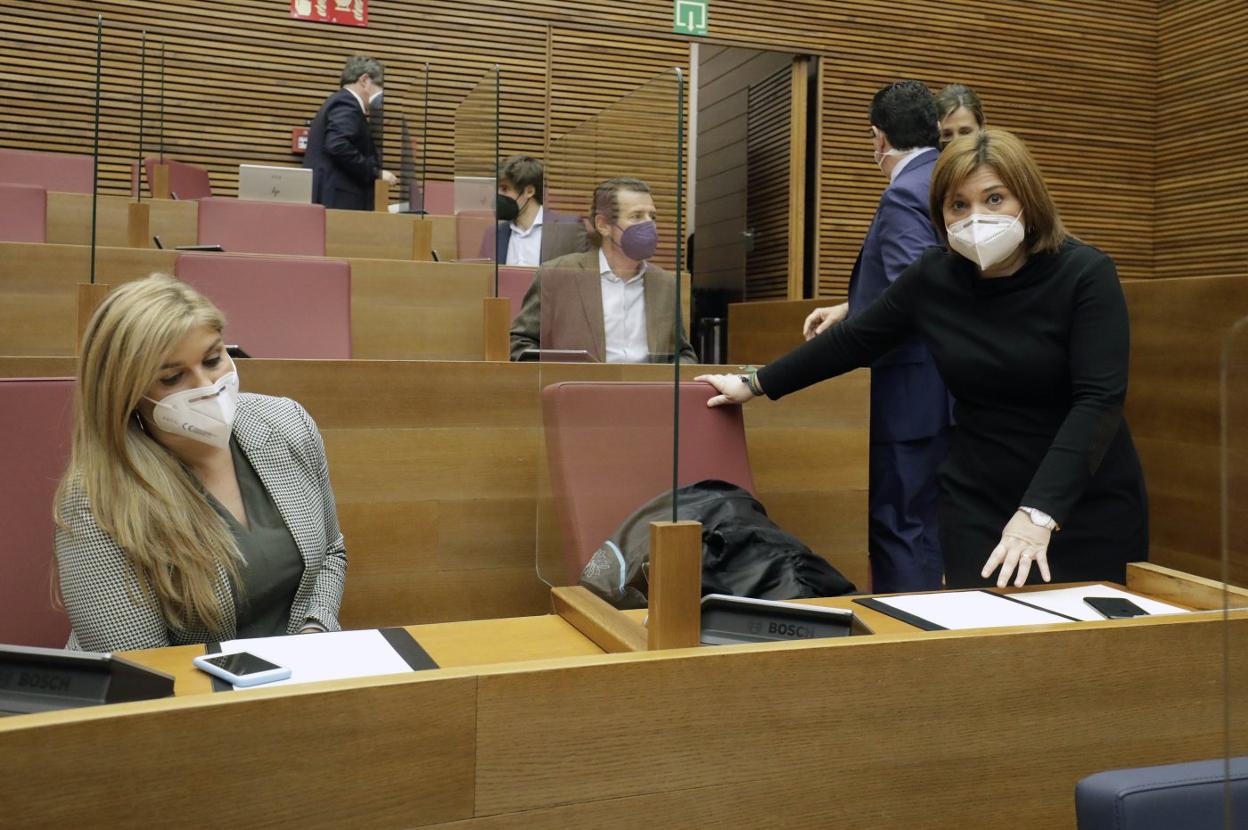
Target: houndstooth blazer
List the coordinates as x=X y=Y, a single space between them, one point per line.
x=109 y=612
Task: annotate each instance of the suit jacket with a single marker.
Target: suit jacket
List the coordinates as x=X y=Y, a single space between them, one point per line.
x=908 y=397
x=341 y=154
x=561 y=234
x=563 y=310
x=107 y=607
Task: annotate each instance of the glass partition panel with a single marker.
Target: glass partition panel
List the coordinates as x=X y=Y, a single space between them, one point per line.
x=476 y=171
x=603 y=321
x=408 y=144
x=1235 y=550
x=270 y=131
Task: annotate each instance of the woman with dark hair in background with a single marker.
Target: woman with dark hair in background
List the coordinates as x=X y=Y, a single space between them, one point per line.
x=960 y=111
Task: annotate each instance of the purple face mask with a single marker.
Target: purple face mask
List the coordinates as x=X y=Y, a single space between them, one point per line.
x=639 y=241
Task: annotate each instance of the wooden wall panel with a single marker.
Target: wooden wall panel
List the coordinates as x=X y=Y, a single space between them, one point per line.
x=1202 y=102
x=420 y=771
x=759 y=333
x=768 y=117
x=1079 y=83
x=724 y=78
x=824 y=736
x=1179 y=329
x=236 y=100
x=1079 y=88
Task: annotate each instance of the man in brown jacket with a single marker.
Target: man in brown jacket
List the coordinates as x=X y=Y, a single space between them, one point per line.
x=608 y=301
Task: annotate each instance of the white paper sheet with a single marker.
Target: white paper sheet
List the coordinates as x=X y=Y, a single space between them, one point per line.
x=1069 y=601
x=956 y=610
x=330 y=656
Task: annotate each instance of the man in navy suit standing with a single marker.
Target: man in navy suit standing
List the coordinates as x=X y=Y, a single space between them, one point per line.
x=341 y=153
x=909 y=402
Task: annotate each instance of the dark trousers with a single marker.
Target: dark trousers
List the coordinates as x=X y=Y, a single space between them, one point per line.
x=903 y=535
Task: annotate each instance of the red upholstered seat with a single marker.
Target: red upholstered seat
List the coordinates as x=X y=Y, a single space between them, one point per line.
x=277 y=306
x=35 y=417
x=610 y=451
x=512 y=283
x=440 y=198
x=60 y=172
x=23 y=213
x=244 y=226
x=186 y=181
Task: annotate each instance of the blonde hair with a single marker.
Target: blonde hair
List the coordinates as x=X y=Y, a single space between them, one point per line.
x=139 y=492
x=1006 y=154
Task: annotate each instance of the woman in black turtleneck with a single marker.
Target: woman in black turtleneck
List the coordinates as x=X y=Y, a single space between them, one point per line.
x=1028 y=328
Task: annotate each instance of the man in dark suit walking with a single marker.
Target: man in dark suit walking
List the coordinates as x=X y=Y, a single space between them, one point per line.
x=909 y=402
x=341 y=152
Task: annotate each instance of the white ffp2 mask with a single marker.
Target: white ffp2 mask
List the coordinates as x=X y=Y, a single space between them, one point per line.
x=205 y=414
x=985 y=238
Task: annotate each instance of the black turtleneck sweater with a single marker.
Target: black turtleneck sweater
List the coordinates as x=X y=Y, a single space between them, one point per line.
x=1037 y=363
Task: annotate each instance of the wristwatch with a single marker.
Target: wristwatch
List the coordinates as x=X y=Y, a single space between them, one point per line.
x=751 y=382
x=1040 y=519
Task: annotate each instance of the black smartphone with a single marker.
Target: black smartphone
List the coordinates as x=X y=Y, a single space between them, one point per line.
x=1115 y=608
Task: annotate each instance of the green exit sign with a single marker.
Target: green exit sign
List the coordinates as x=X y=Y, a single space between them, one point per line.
x=689 y=17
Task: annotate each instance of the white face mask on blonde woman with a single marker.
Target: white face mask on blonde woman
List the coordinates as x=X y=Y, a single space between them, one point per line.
x=205 y=413
x=196 y=393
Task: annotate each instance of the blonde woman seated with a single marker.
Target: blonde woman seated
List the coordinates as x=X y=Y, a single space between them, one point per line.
x=188 y=512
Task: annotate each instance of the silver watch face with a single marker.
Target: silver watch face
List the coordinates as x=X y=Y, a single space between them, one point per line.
x=1039 y=517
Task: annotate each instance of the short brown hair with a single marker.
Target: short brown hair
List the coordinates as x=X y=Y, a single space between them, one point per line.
x=1005 y=153
x=607 y=203
x=522 y=171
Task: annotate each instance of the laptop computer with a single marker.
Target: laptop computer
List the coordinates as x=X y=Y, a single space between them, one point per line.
x=275 y=184
x=475 y=194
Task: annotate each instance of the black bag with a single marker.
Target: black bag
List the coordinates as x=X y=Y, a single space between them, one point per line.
x=744 y=554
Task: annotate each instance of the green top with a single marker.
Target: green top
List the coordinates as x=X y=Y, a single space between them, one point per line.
x=272 y=565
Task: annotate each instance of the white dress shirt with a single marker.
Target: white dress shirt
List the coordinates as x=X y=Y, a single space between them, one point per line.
x=359 y=100
x=902 y=161
x=624 y=314
x=525 y=246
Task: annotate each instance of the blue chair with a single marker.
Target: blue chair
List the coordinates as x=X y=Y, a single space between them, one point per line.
x=1170 y=797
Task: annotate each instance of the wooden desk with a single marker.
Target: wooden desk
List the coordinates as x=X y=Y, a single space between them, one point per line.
x=451 y=645
x=399 y=310
x=362 y=234
x=1189 y=593
x=944 y=729
x=547 y=636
